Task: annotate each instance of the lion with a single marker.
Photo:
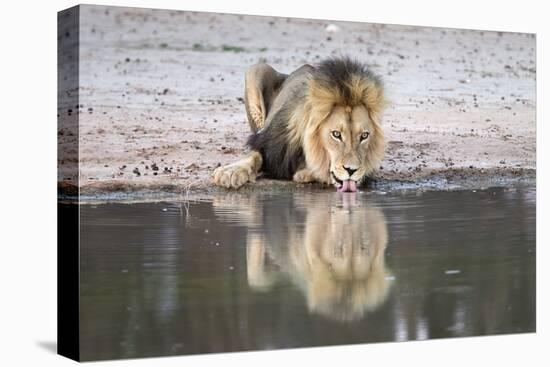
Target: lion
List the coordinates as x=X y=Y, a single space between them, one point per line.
x=318 y=124
x=335 y=257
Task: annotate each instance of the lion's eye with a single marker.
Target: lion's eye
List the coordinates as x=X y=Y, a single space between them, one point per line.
x=364 y=135
x=336 y=134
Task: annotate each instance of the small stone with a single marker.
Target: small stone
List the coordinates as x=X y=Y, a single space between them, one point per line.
x=452 y=272
x=332 y=28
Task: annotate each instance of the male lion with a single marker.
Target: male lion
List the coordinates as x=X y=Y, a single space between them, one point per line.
x=335 y=257
x=317 y=124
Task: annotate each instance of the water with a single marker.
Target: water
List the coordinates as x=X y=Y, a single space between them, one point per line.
x=259 y=271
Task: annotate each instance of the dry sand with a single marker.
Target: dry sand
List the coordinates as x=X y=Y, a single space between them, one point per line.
x=161 y=95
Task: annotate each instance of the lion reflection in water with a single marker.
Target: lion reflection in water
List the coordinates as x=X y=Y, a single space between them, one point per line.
x=336 y=258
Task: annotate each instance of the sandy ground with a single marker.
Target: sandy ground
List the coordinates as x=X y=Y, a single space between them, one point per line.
x=161 y=95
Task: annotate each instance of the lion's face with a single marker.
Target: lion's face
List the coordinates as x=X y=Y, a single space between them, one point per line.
x=339 y=260
x=349 y=137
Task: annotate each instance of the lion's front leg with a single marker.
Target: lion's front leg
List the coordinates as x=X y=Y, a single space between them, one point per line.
x=304 y=175
x=259 y=276
x=237 y=174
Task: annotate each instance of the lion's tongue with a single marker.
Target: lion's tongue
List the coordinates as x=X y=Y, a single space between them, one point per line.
x=348 y=186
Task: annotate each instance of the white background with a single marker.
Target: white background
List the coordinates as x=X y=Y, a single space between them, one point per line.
x=28 y=182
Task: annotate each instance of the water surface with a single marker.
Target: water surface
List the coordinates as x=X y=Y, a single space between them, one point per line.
x=259 y=271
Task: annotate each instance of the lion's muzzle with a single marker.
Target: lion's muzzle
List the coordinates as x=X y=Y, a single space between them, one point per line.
x=347 y=185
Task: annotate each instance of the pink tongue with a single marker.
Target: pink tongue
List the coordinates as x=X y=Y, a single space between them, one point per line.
x=348 y=186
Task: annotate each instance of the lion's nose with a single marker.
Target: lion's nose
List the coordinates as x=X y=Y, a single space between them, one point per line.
x=350 y=170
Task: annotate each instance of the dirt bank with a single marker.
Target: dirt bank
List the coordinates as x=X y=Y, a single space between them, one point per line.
x=161 y=95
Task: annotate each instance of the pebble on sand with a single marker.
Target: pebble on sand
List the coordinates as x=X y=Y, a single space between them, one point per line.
x=332 y=28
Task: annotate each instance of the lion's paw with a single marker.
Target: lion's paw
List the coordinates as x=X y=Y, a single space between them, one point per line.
x=303 y=176
x=233 y=175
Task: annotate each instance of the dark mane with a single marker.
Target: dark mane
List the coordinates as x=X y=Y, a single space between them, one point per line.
x=280 y=160
x=337 y=74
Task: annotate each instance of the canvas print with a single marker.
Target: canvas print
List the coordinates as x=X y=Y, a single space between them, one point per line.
x=241 y=183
